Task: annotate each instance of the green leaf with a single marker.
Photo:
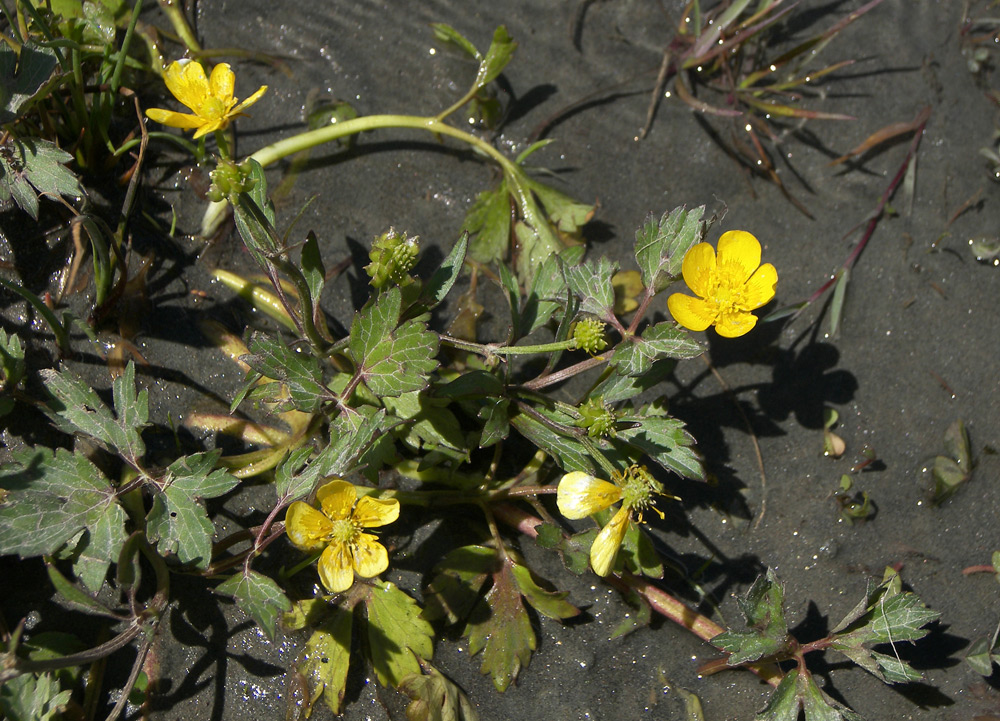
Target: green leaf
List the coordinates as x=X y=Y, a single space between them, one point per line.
x=397 y=635
x=327 y=657
x=639 y=617
x=547 y=292
x=447 y=34
x=983 y=653
x=591 y=282
x=24 y=78
x=501 y=50
x=575 y=549
x=75 y=407
x=51 y=498
x=566 y=449
x=313 y=271
x=300 y=374
x=620 y=386
x=664 y=440
x=30 y=697
x=660 y=247
x=352 y=434
x=886 y=615
x=763 y=609
x=502 y=630
x=783 y=705
x=472 y=384
x=443 y=280
x=566 y=214
x=431 y=424
x=177 y=521
x=488 y=221
x=75 y=597
x=512 y=293
x=12 y=366
x=495 y=414
x=257 y=596
x=459 y=577
x=289 y=484
x=435 y=698
x=956 y=444
x=634 y=355
x=391 y=360
x=548 y=603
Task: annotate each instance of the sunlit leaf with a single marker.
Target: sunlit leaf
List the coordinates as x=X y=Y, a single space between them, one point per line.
x=391 y=358
x=660 y=246
x=327 y=656
x=257 y=596
x=397 y=635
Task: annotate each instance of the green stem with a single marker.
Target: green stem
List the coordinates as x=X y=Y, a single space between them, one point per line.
x=304 y=141
x=176 y=16
x=489 y=349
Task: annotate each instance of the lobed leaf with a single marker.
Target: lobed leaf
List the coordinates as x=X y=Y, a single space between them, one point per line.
x=634 y=355
x=259 y=597
x=326 y=659
x=391 y=358
x=660 y=247
x=397 y=635
x=502 y=630
x=75 y=407
x=591 y=282
x=177 y=521
x=51 y=498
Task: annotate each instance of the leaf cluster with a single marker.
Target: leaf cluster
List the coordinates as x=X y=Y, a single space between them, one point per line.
x=885 y=617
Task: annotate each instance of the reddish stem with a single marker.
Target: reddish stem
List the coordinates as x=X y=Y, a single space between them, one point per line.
x=658 y=599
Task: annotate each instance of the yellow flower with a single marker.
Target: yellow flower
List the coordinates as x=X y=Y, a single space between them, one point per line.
x=580 y=494
x=211 y=98
x=338 y=527
x=730 y=285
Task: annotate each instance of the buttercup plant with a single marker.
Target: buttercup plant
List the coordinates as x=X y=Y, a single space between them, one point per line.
x=388 y=416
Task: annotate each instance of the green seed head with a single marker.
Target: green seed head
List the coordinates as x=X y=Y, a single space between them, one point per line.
x=392 y=256
x=598 y=418
x=589 y=335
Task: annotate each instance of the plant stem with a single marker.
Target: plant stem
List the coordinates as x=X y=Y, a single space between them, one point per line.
x=303 y=141
x=658 y=599
x=564 y=374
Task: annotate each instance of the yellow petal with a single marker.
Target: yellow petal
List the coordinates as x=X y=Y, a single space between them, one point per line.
x=692 y=313
x=733 y=325
x=335 y=569
x=760 y=288
x=337 y=499
x=580 y=495
x=373 y=512
x=210 y=126
x=186 y=81
x=698 y=269
x=739 y=256
x=607 y=543
x=370 y=556
x=306 y=527
x=174 y=119
x=250 y=101
x=222 y=82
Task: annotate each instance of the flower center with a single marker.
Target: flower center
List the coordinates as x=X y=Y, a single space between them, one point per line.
x=212 y=108
x=638 y=488
x=344 y=532
x=727 y=293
